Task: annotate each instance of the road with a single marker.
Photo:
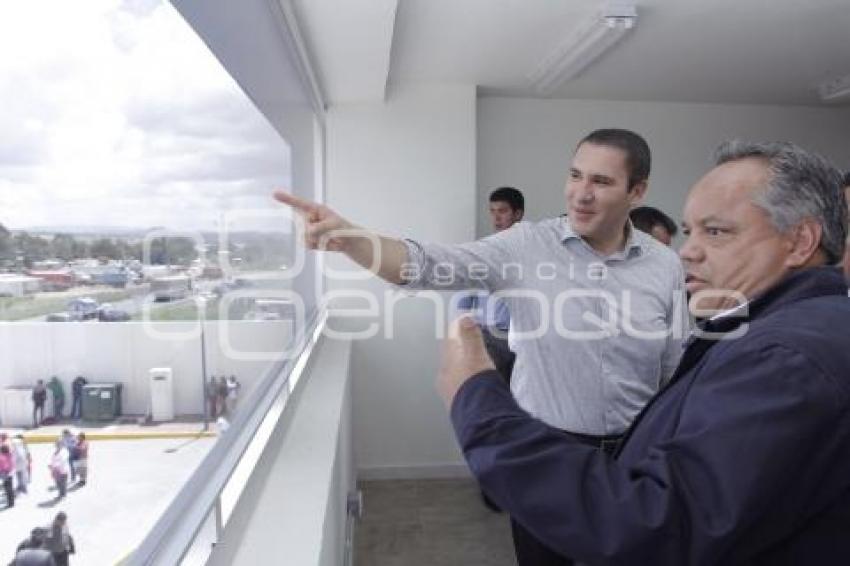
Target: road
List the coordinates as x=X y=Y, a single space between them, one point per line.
x=135 y=303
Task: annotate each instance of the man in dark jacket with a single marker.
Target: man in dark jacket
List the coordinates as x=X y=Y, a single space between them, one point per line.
x=77 y=396
x=742 y=458
x=39 y=397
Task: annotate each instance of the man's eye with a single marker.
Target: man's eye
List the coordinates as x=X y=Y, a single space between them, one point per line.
x=686 y=231
x=711 y=231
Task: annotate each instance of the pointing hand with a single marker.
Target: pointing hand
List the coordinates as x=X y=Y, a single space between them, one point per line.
x=321 y=224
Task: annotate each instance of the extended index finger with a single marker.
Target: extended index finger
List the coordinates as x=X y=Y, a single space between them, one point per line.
x=295 y=202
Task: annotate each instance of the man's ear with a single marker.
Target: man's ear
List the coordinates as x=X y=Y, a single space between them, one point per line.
x=518 y=214
x=637 y=192
x=804 y=242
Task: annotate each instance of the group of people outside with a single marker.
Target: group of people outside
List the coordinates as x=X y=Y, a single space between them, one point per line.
x=70 y=461
x=57 y=392
x=51 y=545
x=686 y=408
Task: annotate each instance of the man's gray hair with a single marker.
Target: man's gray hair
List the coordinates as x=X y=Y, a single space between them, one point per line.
x=802 y=185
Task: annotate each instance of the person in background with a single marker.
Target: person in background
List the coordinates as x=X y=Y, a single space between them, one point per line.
x=221 y=395
x=58 y=391
x=59 y=468
x=39 y=398
x=77 y=396
x=507 y=207
x=655 y=223
x=59 y=541
x=70 y=444
x=212 y=396
x=7 y=472
x=233 y=387
x=82 y=460
x=23 y=462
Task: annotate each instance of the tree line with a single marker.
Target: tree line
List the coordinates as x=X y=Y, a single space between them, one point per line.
x=29 y=248
x=255 y=250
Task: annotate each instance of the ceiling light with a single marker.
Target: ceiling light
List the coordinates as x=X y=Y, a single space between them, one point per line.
x=593 y=37
x=835 y=89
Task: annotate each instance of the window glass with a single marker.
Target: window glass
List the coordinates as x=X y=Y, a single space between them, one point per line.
x=140 y=250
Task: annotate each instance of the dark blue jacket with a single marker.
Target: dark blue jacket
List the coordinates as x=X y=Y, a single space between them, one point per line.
x=744 y=458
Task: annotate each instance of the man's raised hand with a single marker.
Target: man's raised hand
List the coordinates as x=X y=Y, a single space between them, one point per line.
x=320 y=223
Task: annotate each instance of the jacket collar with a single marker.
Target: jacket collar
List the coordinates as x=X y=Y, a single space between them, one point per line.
x=805 y=284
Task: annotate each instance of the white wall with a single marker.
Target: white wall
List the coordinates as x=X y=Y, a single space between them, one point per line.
x=528 y=143
x=404 y=168
x=123 y=352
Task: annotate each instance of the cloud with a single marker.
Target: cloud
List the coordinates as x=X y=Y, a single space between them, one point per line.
x=115 y=113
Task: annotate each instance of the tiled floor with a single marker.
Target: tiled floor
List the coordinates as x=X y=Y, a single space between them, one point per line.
x=430 y=523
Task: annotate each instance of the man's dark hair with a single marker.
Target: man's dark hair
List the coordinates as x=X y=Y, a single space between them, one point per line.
x=509 y=195
x=645 y=218
x=638 y=156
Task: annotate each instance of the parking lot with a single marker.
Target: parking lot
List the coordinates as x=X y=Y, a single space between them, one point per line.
x=130 y=484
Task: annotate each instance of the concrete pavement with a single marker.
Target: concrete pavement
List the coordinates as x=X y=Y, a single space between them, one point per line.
x=132 y=479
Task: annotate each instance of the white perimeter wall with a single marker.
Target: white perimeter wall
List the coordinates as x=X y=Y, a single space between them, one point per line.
x=124 y=352
x=528 y=143
x=404 y=168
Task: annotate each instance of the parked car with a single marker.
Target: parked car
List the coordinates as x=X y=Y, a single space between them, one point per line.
x=113 y=278
x=60 y=317
x=108 y=313
x=83 y=308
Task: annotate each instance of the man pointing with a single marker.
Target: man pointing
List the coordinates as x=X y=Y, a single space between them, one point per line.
x=586 y=292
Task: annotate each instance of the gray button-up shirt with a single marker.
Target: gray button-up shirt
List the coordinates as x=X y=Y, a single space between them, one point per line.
x=595 y=336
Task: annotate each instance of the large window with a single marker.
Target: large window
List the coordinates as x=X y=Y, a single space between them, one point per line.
x=118 y=125
x=137 y=234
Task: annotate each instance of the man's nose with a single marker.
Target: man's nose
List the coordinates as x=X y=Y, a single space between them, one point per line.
x=690 y=251
x=584 y=191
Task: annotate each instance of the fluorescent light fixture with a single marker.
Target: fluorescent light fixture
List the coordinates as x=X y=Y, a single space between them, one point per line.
x=593 y=37
x=835 y=89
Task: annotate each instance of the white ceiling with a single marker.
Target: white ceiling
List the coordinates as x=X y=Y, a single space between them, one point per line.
x=350 y=42
x=717 y=51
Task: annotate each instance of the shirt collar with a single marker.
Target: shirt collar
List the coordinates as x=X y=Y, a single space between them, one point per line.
x=732 y=312
x=635 y=244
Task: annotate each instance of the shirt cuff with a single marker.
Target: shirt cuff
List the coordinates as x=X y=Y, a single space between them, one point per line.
x=413 y=270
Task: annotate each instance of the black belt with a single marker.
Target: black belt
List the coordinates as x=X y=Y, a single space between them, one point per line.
x=608 y=443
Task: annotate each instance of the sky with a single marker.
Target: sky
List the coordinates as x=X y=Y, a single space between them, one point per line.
x=114 y=113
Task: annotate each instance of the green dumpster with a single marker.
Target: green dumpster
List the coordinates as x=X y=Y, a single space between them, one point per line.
x=101 y=401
